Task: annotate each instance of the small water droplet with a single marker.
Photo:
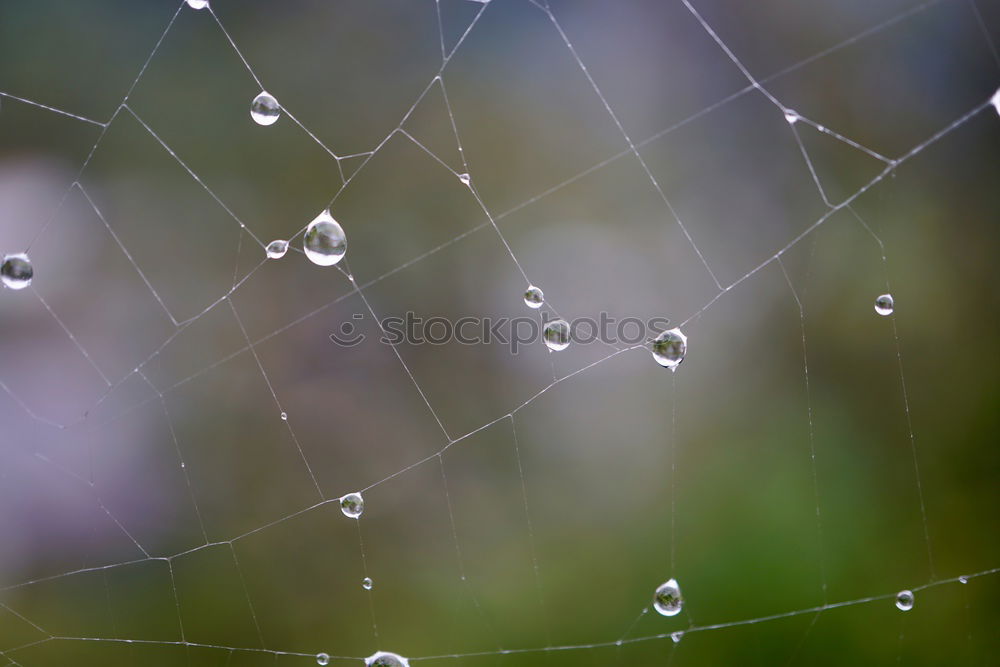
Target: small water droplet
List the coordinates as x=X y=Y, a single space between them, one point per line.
x=284 y=416
x=465 y=178
x=677 y=636
x=995 y=100
x=16 y=271
x=386 y=659
x=534 y=297
x=276 y=249
x=557 y=335
x=265 y=109
x=197 y=4
x=352 y=505
x=667 y=600
x=325 y=242
x=963 y=580
x=618 y=643
x=669 y=348
x=367 y=583
x=791 y=116
x=322 y=659
x=884 y=305
x=904 y=600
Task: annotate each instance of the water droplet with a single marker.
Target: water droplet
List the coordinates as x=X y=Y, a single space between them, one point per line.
x=791 y=116
x=16 y=271
x=322 y=659
x=325 y=242
x=352 y=505
x=963 y=580
x=883 y=305
x=367 y=583
x=669 y=348
x=557 y=335
x=677 y=636
x=386 y=659
x=197 y=4
x=995 y=100
x=464 y=178
x=667 y=599
x=265 y=109
x=534 y=297
x=276 y=249
x=284 y=416
x=904 y=600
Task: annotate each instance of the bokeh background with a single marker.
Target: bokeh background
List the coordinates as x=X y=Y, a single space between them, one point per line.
x=109 y=495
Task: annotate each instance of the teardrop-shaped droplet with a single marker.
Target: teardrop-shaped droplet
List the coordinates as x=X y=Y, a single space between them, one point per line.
x=667 y=599
x=465 y=178
x=325 y=242
x=367 y=583
x=352 y=505
x=386 y=659
x=791 y=117
x=557 y=335
x=534 y=297
x=16 y=271
x=197 y=4
x=669 y=348
x=884 y=305
x=904 y=600
x=276 y=249
x=322 y=659
x=265 y=109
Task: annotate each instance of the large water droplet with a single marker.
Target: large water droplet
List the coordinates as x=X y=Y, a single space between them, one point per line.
x=265 y=109
x=557 y=335
x=667 y=599
x=197 y=4
x=352 y=505
x=386 y=659
x=325 y=242
x=791 y=117
x=963 y=580
x=322 y=659
x=276 y=249
x=669 y=348
x=465 y=178
x=367 y=583
x=16 y=271
x=884 y=305
x=904 y=600
x=534 y=297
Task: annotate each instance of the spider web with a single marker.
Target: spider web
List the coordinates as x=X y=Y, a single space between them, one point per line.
x=179 y=429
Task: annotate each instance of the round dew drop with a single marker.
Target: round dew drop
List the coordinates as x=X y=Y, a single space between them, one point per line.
x=386 y=659
x=197 y=4
x=557 y=335
x=325 y=242
x=265 y=109
x=791 y=117
x=16 y=271
x=904 y=600
x=352 y=505
x=534 y=297
x=669 y=348
x=276 y=249
x=322 y=659
x=284 y=416
x=667 y=599
x=884 y=305
x=367 y=583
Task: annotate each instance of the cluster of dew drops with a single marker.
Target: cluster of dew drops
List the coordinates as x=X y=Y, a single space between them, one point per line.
x=325 y=244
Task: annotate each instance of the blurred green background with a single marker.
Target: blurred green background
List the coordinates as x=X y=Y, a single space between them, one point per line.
x=110 y=495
